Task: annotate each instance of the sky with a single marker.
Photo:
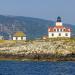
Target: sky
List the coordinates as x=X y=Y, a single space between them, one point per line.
x=44 y=9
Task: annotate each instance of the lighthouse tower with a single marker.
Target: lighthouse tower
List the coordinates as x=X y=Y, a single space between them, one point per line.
x=59 y=30
x=58 y=23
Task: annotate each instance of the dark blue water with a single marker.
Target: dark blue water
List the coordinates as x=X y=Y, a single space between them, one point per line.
x=36 y=68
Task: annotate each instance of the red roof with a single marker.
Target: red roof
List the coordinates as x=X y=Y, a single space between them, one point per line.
x=52 y=29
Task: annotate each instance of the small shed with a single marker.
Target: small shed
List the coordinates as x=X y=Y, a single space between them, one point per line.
x=19 y=36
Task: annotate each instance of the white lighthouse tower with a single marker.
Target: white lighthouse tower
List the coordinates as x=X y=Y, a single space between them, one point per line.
x=59 y=23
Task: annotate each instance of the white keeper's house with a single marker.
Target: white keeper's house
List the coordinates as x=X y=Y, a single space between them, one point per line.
x=59 y=30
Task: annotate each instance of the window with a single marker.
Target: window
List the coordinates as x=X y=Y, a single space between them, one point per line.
x=52 y=34
x=61 y=30
x=64 y=29
x=57 y=30
x=66 y=34
x=59 y=34
x=54 y=29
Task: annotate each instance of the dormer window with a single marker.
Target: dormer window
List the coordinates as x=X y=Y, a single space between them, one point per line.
x=54 y=29
x=64 y=29
x=61 y=30
x=57 y=30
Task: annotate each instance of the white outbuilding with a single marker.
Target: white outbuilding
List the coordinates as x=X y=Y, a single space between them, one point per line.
x=19 y=36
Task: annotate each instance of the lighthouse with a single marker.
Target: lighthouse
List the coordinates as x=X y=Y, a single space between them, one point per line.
x=59 y=30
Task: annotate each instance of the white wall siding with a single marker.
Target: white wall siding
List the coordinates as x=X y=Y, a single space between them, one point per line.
x=14 y=38
x=19 y=38
x=58 y=23
x=56 y=34
x=24 y=38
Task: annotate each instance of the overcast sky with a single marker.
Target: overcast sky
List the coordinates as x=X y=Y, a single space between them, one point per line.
x=45 y=9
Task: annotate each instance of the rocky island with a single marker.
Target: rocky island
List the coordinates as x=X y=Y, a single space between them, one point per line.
x=54 y=49
x=58 y=45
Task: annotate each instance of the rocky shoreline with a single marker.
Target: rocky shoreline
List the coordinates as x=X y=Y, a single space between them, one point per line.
x=20 y=58
x=39 y=49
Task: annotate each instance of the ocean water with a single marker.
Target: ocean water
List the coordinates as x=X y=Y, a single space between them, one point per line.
x=36 y=68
